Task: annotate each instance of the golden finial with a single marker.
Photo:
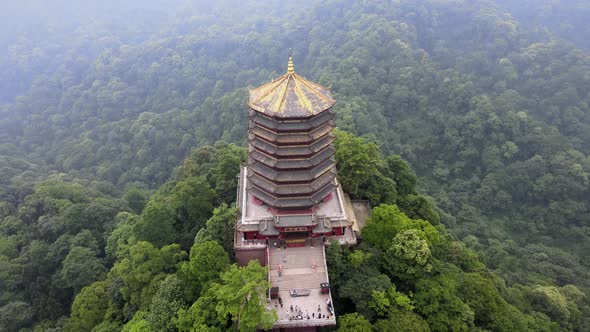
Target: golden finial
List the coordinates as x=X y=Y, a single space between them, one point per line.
x=290 y=69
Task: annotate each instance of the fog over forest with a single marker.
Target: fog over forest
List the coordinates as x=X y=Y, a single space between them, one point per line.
x=464 y=123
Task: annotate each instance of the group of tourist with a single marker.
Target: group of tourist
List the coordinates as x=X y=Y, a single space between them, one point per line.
x=296 y=313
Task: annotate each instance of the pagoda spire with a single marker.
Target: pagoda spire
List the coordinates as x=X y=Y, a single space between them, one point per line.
x=290 y=68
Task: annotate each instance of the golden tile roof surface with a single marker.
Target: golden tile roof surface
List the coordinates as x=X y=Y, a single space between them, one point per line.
x=290 y=96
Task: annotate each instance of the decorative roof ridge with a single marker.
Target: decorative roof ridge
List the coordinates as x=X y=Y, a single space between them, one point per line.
x=277 y=82
x=284 y=93
x=314 y=86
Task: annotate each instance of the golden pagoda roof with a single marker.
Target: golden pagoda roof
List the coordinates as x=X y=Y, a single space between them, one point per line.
x=290 y=96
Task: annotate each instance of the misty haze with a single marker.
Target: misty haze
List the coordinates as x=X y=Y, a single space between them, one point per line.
x=340 y=165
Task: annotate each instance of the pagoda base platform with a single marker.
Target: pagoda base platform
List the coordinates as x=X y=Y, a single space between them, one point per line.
x=302 y=268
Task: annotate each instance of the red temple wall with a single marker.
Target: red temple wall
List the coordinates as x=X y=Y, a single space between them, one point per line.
x=244 y=256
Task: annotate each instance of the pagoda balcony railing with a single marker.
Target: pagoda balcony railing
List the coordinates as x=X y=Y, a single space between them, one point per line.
x=293 y=177
x=290 y=150
x=295 y=138
x=295 y=125
x=292 y=190
x=302 y=202
x=291 y=164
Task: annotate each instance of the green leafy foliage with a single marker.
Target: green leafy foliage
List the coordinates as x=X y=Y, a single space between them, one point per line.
x=409 y=256
x=207 y=261
x=157 y=223
x=145 y=265
x=220 y=227
x=387 y=221
x=385 y=302
x=239 y=297
x=81 y=267
x=409 y=275
x=402 y=321
x=165 y=304
x=89 y=307
x=360 y=169
x=354 y=323
x=52 y=245
x=176 y=214
x=437 y=299
x=100 y=102
x=15 y=315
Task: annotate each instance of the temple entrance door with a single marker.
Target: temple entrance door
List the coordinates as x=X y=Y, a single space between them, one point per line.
x=294 y=235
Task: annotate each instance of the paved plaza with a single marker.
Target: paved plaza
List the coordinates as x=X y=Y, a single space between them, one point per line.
x=301 y=268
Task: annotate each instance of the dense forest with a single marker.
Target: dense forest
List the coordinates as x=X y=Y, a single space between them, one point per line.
x=466 y=124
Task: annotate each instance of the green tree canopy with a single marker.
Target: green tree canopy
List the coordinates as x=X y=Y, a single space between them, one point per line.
x=145 y=265
x=89 y=307
x=353 y=323
x=241 y=297
x=207 y=261
x=361 y=169
x=387 y=221
x=81 y=267
x=409 y=257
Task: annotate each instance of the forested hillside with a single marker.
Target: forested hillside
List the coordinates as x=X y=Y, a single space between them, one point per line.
x=488 y=101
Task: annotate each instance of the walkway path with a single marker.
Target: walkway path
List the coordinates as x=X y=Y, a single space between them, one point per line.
x=302 y=267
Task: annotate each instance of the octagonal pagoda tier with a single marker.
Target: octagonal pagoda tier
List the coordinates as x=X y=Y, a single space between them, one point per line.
x=291 y=163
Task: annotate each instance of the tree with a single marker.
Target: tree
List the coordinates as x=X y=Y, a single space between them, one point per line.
x=409 y=256
x=403 y=175
x=224 y=171
x=387 y=221
x=15 y=315
x=136 y=200
x=220 y=164
x=548 y=300
x=144 y=266
x=336 y=262
x=88 y=240
x=400 y=320
x=359 y=287
x=89 y=307
x=94 y=216
x=122 y=237
x=384 y=302
x=360 y=166
x=192 y=200
x=241 y=297
x=353 y=323
x=418 y=207
x=81 y=267
x=491 y=311
x=157 y=223
x=165 y=304
x=220 y=227
x=201 y=316
x=138 y=323
x=107 y=326
x=358 y=258
x=436 y=299
x=207 y=261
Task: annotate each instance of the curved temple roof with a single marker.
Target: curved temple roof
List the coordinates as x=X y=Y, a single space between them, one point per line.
x=290 y=96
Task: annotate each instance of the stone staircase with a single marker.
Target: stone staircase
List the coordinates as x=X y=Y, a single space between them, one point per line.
x=294 y=258
x=308 y=280
x=297 y=267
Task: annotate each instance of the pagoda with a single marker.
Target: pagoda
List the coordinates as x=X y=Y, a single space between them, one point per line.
x=289 y=199
x=291 y=165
